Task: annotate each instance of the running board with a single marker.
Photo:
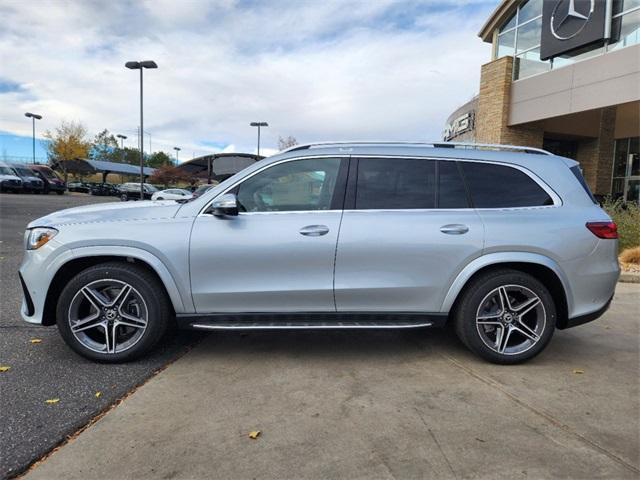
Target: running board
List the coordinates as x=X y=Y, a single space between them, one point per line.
x=310 y=321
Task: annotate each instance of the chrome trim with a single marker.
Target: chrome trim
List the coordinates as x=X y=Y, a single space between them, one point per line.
x=308 y=327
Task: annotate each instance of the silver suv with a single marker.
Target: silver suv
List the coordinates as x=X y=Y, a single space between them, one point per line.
x=504 y=243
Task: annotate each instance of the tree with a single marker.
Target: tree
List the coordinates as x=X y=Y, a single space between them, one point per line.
x=105 y=147
x=66 y=142
x=158 y=159
x=169 y=175
x=130 y=156
x=284 y=143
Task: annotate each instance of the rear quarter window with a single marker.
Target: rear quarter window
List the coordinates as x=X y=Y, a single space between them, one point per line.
x=577 y=172
x=500 y=186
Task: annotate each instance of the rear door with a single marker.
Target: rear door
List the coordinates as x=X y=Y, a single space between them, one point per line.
x=407 y=231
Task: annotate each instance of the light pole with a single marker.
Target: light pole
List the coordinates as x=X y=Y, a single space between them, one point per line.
x=122 y=139
x=141 y=66
x=33 y=117
x=259 y=124
x=177 y=149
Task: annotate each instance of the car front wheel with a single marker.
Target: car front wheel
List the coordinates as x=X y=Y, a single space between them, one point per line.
x=505 y=316
x=113 y=312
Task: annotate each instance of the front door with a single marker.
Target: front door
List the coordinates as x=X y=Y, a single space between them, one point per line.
x=407 y=231
x=277 y=254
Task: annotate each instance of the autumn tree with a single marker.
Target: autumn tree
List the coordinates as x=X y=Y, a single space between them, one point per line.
x=66 y=142
x=105 y=147
x=169 y=175
x=284 y=143
x=159 y=159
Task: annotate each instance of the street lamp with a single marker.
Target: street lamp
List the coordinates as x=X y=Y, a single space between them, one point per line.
x=141 y=66
x=33 y=117
x=122 y=139
x=259 y=124
x=177 y=149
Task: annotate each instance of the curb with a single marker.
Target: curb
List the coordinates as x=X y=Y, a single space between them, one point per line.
x=628 y=277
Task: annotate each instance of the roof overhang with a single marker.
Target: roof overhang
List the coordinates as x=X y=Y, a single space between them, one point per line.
x=219 y=165
x=500 y=15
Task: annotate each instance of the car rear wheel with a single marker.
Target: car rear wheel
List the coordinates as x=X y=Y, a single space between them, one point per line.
x=124 y=197
x=113 y=312
x=505 y=316
x=160 y=198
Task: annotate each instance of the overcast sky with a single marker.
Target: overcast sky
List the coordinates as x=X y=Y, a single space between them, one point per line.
x=317 y=70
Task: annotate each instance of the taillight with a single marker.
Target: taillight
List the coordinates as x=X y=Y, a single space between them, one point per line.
x=607 y=230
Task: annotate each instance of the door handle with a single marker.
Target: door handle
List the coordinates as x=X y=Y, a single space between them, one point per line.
x=454 y=229
x=314 y=230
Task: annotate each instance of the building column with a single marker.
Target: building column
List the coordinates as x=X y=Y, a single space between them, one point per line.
x=494 y=102
x=596 y=155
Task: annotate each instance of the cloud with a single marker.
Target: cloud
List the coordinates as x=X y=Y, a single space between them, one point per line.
x=330 y=70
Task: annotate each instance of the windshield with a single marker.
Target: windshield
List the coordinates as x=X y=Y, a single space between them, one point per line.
x=47 y=172
x=6 y=171
x=25 y=172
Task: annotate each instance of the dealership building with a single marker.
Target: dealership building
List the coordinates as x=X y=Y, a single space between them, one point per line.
x=564 y=75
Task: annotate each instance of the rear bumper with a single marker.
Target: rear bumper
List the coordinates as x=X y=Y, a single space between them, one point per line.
x=586 y=318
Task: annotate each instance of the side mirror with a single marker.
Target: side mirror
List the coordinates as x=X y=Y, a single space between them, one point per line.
x=226 y=204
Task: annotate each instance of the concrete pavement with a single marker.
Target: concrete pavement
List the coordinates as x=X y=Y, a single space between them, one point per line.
x=410 y=404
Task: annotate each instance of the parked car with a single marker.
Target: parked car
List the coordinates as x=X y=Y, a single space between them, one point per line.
x=201 y=190
x=172 y=194
x=131 y=191
x=9 y=181
x=80 y=187
x=30 y=181
x=52 y=183
x=505 y=243
x=104 y=190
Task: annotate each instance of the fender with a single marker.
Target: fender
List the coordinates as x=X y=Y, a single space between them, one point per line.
x=180 y=298
x=496 y=259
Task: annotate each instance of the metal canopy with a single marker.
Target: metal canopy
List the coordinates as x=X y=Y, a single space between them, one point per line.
x=219 y=166
x=83 y=165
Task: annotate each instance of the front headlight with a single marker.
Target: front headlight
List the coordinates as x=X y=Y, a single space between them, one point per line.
x=39 y=236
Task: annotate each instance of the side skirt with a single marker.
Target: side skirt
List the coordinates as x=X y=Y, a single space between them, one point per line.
x=310 y=320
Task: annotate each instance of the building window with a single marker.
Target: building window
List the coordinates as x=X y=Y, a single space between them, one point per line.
x=520 y=37
x=626 y=170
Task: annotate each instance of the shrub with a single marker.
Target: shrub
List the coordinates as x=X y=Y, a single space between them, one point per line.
x=631 y=255
x=627 y=217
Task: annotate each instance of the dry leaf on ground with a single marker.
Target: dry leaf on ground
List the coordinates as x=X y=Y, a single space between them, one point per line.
x=52 y=401
x=98 y=394
x=4 y=368
x=254 y=435
x=578 y=371
x=36 y=340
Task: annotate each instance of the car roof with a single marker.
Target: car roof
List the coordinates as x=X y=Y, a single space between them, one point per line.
x=513 y=154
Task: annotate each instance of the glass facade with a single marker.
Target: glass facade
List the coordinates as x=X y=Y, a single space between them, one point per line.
x=626 y=169
x=520 y=37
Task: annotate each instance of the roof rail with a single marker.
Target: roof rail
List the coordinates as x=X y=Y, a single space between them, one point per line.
x=461 y=145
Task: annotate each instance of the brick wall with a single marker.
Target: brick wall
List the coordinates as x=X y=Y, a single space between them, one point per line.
x=596 y=155
x=493 y=108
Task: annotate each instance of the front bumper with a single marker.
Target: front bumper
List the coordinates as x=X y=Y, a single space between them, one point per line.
x=36 y=272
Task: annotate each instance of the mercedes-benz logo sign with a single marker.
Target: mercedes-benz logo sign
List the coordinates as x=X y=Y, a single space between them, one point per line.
x=567 y=21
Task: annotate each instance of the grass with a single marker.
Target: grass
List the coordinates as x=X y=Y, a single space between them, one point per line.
x=627 y=217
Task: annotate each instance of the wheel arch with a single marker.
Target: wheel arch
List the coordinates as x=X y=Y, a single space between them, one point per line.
x=78 y=263
x=542 y=268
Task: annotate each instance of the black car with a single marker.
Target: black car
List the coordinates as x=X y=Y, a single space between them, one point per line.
x=104 y=190
x=52 y=183
x=131 y=191
x=30 y=181
x=80 y=187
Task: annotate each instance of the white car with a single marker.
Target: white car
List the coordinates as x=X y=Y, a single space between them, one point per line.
x=172 y=194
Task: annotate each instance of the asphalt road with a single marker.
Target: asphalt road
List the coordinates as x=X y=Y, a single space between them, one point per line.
x=29 y=427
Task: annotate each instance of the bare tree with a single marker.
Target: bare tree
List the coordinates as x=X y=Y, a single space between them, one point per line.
x=284 y=143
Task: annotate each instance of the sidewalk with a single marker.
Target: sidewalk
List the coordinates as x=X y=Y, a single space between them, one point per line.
x=376 y=405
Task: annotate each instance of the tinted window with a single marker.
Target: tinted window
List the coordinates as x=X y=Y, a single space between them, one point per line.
x=394 y=183
x=498 y=186
x=578 y=174
x=296 y=185
x=451 y=190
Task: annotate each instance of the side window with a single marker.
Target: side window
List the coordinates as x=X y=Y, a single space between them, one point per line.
x=498 y=186
x=451 y=190
x=291 y=186
x=395 y=183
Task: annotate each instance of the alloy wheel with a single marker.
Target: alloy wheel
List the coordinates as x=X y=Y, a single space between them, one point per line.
x=108 y=316
x=511 y=319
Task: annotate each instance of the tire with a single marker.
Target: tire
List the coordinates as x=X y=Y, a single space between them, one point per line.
x=124 y=197
x=133 y=308
x=160 y=198
x=508 y=335
x=60 y=192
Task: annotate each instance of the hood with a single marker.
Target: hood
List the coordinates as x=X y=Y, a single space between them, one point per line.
x=9 y=177
x=109 y=212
